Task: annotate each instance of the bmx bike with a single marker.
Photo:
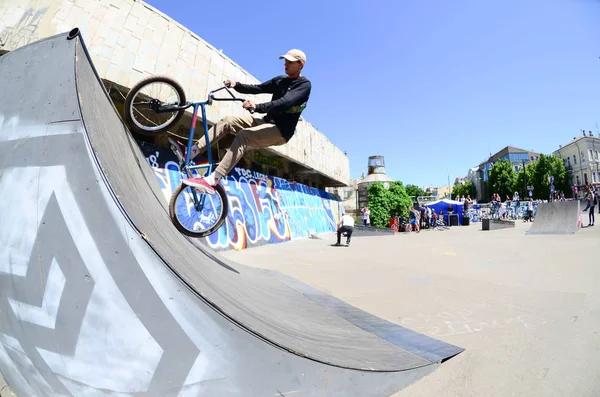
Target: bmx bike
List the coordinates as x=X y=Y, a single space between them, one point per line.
x=151 y=107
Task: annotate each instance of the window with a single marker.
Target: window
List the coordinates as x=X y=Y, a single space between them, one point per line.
x=568 y=161
x=585 y=178
x=594 y=177
x=582 y=157
x=577 y=180
x=575 y=162
x=591 y=155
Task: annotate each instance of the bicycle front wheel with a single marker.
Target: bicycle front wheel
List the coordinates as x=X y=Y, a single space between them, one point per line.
x=197 y=214
x=147 y=97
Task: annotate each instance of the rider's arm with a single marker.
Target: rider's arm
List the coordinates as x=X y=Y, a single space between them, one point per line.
x=262 y=88
x=294 y=97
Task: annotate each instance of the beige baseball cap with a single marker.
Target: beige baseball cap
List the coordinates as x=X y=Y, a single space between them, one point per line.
x=294 y=56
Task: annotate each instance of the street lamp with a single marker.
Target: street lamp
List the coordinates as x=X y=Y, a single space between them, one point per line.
x=449 y=191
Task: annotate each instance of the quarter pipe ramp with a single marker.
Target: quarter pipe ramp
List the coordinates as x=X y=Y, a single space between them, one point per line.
x=101 y=296
x=557 y=217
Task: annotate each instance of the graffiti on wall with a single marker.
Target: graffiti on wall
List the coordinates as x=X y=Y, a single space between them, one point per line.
x=262 y=209
x=24 y=32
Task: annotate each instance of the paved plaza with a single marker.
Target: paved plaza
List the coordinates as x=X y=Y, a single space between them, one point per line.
x=525 y=308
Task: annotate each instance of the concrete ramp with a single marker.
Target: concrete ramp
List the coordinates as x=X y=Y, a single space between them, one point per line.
x=558 y=217
x=101 y=296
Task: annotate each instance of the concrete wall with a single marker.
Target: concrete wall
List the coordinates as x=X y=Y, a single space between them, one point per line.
x=262 y=209
x=129 y=40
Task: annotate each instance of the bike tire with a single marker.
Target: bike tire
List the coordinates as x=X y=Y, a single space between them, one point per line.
x=218 y=190
x=127 y=110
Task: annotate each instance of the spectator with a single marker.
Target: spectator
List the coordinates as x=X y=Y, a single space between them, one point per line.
x=428 y=214
x=413 y=215
x=366 y=216
x=592 y=200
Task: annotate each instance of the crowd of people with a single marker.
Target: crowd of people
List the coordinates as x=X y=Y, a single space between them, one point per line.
x=511 y=207
x=424 y=217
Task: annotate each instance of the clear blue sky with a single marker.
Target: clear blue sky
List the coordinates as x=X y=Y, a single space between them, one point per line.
x=430 y=85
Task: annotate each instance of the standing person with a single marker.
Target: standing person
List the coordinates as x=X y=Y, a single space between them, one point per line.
x=428 y=214
x=592 y=199
x=414 y=219
x=366 y=216
x=346 y=225
x=290 y=96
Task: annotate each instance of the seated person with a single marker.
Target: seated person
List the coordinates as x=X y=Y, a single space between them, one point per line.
x=441 y=221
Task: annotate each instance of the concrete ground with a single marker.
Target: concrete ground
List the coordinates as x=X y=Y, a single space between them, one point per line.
x=525 y=308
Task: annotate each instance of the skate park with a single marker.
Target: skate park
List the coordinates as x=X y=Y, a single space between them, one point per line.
x=443 y=312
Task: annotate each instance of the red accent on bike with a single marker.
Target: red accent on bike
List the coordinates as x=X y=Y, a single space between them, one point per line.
x=194 y=118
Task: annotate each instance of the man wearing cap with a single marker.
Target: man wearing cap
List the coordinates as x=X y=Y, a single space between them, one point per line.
x=290 y=95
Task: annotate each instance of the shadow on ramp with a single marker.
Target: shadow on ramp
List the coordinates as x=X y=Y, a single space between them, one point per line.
x=100 y=295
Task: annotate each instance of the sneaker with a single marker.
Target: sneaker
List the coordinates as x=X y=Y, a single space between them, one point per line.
x=347 y=244
x=200 y=184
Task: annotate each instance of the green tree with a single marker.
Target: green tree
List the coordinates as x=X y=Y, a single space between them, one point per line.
x=502 y=179
x=415 y=191
x=463 y=189
x=399 y=199
x=384 y=203
x=545 y=167
x=380 y=204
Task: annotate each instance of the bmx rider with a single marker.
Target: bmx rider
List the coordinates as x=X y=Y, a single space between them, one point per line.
x=290 y=95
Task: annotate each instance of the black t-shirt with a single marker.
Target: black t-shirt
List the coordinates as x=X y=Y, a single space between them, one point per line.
x=289 y=100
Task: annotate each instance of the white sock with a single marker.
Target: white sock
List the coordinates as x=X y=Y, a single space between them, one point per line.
x=213 y=178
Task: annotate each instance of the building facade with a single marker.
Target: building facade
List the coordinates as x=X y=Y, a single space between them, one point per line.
x=581 y=158
x=479 y=176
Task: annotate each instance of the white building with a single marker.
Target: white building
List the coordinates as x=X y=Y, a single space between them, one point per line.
x=580 y=156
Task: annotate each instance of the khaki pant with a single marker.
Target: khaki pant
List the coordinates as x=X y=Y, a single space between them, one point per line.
x=250 y=133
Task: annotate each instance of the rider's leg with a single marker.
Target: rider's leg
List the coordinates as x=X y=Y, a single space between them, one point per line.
x=227 y=125
x=261 y=136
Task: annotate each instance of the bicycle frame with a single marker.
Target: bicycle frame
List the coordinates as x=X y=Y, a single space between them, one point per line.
x=202 y=107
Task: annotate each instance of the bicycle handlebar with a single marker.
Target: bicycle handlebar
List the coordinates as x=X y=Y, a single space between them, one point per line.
x=226 y=87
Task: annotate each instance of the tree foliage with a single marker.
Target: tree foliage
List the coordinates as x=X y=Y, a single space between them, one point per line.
x=502 y=179
x=545 y=167
x=463 y=189
x=384 y=203
x=400 y=199
x=415 y=191
x=534 y=174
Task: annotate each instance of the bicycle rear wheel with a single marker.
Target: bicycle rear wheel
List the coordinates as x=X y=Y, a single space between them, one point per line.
x=148 y=96
x=196 y=214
